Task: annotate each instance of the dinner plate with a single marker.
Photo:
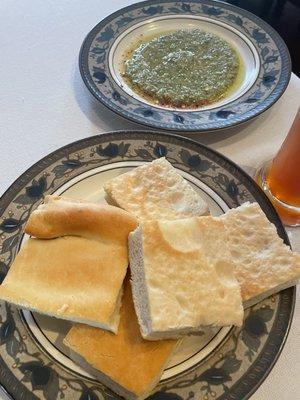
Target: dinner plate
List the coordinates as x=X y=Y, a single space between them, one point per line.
x=265 y=71
x=221 y=364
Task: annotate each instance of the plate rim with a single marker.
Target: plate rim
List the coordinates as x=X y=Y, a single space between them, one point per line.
x=88 y=81
x=62 y=151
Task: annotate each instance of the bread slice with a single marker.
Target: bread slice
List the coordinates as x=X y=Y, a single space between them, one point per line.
x=183 y=277
x=126 y=363
x=155 y=191
x=263 y=264
x=76 y=274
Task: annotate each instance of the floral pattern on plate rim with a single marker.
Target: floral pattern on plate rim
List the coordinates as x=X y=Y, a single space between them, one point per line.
x=28 y=371
x=273 y=76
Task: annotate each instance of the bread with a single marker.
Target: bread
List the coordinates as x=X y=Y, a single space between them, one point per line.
x=60 y=216
x=155 y=191
x=263 y=263
x=183 y=277
x=126 y=363
x=76 y=274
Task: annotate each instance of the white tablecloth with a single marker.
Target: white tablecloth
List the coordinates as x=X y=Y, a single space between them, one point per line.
x=44 y=105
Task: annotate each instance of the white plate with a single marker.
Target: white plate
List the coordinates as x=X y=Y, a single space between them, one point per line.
x=265 y=72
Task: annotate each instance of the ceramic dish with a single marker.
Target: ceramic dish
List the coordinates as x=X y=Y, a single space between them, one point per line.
x=230 y=362
x=265 y=59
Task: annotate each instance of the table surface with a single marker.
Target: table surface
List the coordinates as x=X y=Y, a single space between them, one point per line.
x=44 y=105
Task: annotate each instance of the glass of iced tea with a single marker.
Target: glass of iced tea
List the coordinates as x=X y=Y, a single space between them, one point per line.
x=280 y=177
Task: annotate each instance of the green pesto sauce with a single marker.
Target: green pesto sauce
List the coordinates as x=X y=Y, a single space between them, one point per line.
x=183 y=69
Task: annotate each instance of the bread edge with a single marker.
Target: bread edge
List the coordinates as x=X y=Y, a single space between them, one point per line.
x=138 y=281
x=111 y=326
x=108 y=197
x=276 y=289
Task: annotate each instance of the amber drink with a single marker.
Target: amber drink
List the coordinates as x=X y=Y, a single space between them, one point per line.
x=280 y=178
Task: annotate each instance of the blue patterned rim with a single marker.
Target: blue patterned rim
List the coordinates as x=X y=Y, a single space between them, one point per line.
x=273 y=78
x=233 y=370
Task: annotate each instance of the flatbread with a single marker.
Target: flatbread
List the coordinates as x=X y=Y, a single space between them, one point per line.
x=128 y=364
x=263 y=264
x=183 y=277
x=155 y=191
x=77 y=273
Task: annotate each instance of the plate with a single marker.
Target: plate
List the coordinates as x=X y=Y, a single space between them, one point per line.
x=265 y=74
x=34 y=364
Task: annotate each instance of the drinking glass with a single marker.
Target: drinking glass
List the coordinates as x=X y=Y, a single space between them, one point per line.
x=280 y=177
